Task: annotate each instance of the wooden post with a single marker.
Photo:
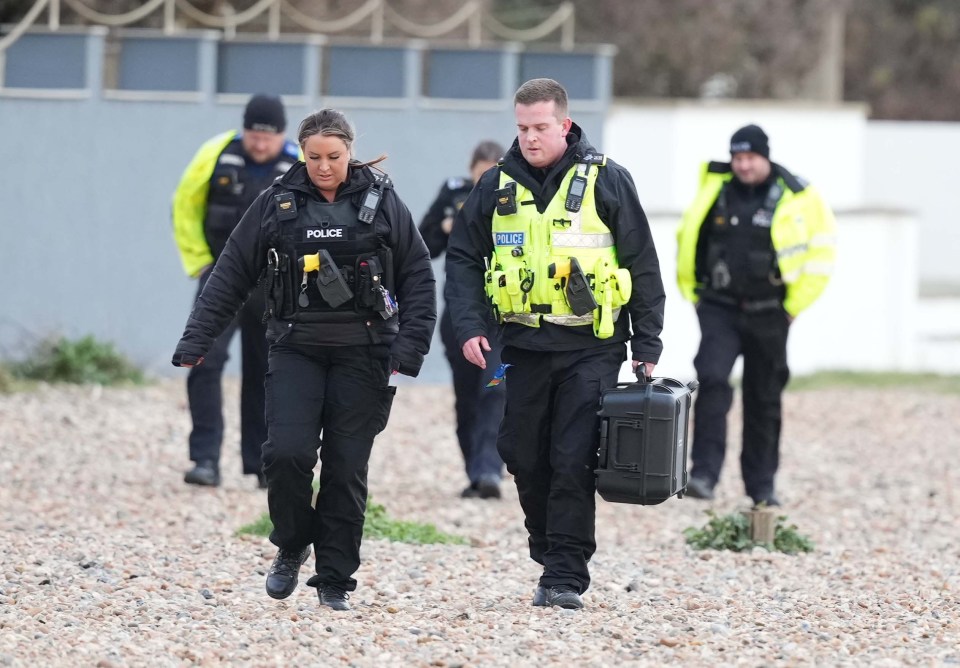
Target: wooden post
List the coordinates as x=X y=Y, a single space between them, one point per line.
x=763 y=524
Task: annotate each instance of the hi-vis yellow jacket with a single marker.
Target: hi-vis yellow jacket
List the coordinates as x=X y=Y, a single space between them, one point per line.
x=803 y=232
x=530 y=265
x=190 y=204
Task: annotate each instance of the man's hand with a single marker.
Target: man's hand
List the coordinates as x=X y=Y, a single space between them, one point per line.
x=648 y=367
x=473 y=351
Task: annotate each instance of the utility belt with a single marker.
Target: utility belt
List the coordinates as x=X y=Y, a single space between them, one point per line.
x=742 y=304
x=363 y=287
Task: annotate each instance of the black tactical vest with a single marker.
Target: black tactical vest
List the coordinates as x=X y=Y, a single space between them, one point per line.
x=306 y=226
x=740 y=260
x=233 y=188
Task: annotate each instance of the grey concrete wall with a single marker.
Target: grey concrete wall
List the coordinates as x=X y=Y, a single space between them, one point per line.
x=86 y=181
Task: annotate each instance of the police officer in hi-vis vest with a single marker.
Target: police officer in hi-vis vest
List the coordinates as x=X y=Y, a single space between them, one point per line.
x=478 y=398
x=224 y=177
x=754 y=249
x=555 y=238
x=350 y=299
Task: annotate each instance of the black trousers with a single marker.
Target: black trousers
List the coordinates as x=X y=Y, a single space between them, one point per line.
x=479 y=408
x=342 y=393
x=549 y=441
x=205 y=391
x=726 y=333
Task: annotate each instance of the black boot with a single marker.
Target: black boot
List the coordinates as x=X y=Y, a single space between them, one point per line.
x=564 y=596
x=205 y=472
x=283 y=575
x=333 y=596
x=699 y=488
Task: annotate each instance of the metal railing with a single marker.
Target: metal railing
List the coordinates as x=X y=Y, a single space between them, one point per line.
x=378 y=13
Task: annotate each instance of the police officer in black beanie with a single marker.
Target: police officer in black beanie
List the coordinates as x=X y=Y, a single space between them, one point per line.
x=755 y=249
x=222 y=180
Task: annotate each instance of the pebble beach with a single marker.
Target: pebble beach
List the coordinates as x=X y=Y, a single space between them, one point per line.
x=109 y=559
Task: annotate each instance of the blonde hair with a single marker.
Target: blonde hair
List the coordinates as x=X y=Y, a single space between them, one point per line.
x=332 y=123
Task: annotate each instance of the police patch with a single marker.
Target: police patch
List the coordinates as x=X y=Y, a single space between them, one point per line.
x=508 y=238
x=325 y=234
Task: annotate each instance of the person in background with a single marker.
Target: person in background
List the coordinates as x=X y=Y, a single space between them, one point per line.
x=556 y=239
x=754 y=249
x=351 y=299
x=223 y=179
x=479 y=407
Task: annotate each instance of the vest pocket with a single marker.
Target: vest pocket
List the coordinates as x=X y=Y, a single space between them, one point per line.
x=518 y=283
x=760 y=264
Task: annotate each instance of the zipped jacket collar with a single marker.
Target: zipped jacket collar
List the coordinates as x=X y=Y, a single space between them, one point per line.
x=359 y=179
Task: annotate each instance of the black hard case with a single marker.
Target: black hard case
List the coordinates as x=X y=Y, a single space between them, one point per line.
x=643 y=441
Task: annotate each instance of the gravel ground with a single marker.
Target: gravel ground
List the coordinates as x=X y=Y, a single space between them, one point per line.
x=108 y=559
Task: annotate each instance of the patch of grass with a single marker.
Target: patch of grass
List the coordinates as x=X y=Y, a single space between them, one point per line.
x=377 y=525
x=7 y=382
x=932 y=382
x=732 y=532
x=261 y=527
x=80 y=361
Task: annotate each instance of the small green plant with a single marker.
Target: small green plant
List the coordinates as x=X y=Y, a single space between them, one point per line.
x=78 y=361
x=261 y=527
x=732 y=532
x=377 y=525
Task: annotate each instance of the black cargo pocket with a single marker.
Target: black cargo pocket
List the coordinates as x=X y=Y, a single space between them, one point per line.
x=378 y=421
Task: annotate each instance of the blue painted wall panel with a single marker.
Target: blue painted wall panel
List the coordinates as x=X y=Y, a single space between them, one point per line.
x=47 y=61
x=574 y=71
x=166 y=64
x=464 y=74
x=364 y=72
x=260 y=68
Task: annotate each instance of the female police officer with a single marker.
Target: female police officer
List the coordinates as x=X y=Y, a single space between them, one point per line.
x=350 y=299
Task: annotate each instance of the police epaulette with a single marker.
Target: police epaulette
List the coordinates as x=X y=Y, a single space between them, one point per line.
x=794 y=183
x=456 y=182
x=383 y=181
x=594 y=159
x=717 y=167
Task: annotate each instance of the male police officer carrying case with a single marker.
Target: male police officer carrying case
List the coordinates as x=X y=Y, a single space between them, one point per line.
x=643 y=440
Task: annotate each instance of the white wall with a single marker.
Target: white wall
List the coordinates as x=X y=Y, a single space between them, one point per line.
x=853 y=161
x=864 y=320
x=664 y=144
x=914 y=166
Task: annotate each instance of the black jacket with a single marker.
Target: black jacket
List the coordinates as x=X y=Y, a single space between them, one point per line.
x=618 y=206
x=243 y=261
x=451 y=197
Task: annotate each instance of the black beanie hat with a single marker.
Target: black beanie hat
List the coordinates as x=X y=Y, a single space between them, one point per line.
x=264 y=113
x=750 y=139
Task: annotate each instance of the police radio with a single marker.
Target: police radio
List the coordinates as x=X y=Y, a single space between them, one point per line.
x=578 y=186
x=371 y=202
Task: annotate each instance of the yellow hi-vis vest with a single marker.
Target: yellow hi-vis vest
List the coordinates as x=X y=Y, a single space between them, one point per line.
x=803 y=232
x=527 y=280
